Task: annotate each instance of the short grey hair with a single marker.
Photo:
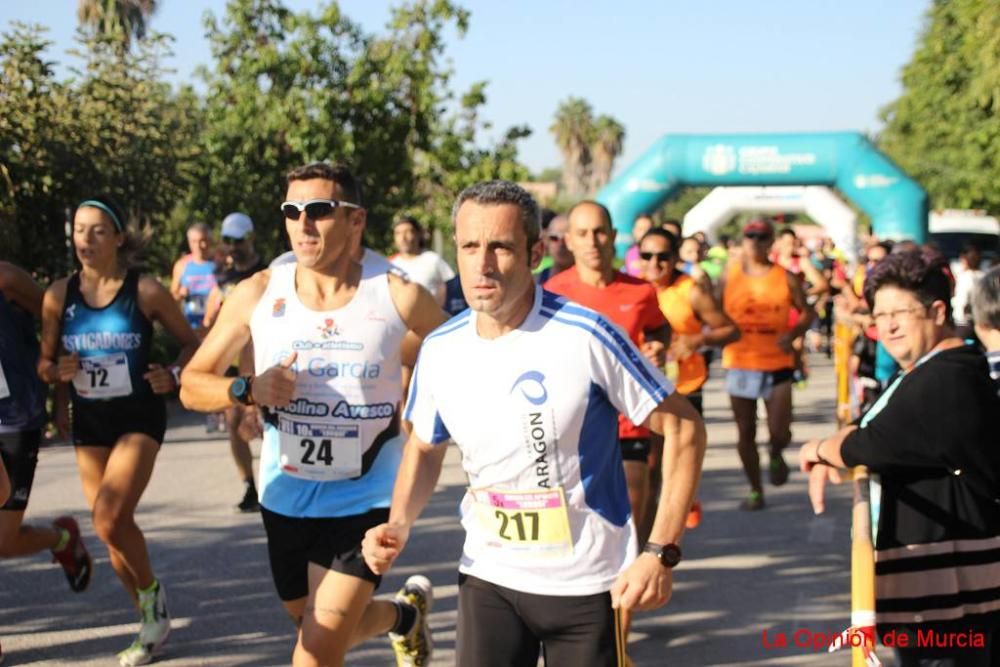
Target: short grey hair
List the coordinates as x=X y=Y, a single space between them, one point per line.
x=200 y=227
x=986 y=300
x=504 y=192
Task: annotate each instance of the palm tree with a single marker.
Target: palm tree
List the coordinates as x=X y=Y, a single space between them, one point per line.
x=572 y=130
x=123 y=19
x=608 y=135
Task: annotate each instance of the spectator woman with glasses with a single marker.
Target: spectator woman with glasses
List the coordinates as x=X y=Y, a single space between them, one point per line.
x=932 y=441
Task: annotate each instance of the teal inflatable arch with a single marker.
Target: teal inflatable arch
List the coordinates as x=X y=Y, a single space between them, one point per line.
x=896 y=204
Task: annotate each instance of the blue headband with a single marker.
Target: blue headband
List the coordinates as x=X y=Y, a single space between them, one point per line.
x=107 y=209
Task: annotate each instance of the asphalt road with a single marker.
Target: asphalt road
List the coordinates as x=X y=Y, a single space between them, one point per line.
x=781 y=571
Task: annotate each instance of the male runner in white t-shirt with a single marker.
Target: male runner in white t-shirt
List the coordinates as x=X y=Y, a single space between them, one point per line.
x=329 y=356
x=530 y=385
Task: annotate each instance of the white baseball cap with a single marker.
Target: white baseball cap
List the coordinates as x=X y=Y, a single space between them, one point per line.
x=237 y=225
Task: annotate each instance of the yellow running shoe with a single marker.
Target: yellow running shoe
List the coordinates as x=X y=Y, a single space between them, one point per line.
x=414 y=649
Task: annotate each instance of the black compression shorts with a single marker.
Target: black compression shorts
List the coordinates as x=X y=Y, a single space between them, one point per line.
x=19 y=451
x=500 y=627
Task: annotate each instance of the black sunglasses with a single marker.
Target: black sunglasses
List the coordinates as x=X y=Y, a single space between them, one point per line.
x=316 y=209
x=659 y=256
x=757 y=236
x=232 y=240
x=555 y=237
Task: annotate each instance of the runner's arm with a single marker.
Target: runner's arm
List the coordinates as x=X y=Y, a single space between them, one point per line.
x=157 y=303
x=204 y=386
x=175 y=279
x=722 y=329
x=646 y=583
x=418 y=475
x=419 y=311
x=19 y=287
x=800 y=304
x=53 y=367
x=683 y=454
x=213 y=304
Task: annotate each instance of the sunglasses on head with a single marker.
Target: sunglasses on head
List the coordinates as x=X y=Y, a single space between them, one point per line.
x=315 y=209
x=757 y=236
x=658 y=256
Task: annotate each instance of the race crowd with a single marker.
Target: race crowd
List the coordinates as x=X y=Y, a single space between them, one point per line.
x=571 y=382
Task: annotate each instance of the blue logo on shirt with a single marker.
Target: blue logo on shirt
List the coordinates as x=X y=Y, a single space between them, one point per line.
x=532 y=380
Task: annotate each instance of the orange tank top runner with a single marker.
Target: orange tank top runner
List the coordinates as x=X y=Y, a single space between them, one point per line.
x=759 y=305
x=675 y=302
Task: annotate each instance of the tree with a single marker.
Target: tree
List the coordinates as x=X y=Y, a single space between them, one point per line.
x=120 y=20
x=572 y=129
x=38 y=167
x=290 y=88
x=944 y=129
x=607 y=137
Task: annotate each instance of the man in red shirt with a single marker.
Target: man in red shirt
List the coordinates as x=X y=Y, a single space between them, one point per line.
x=631 y=304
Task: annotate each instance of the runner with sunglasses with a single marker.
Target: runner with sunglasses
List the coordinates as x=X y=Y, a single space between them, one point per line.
x=329 y=354
x=758 y=295
x=240 y=261
x=97 y=330
x=530 y=385
x=696 y=320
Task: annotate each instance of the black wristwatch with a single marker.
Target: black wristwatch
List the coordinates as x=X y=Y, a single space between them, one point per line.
x=668 y=554
x=240 y=390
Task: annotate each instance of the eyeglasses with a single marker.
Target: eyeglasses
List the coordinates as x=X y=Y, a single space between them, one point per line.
x=659 y=256
x=231 y=240
x=316 y=209
x=900 y=315
x=757 y=236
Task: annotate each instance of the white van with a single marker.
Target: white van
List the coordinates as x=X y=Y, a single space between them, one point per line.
x=950 y=229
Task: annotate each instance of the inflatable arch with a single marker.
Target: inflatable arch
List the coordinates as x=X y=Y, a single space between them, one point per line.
x=896 y=204
x=818 y=202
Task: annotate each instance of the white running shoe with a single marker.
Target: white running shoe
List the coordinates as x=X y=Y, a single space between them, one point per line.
x=414 y=649
x=154 y=630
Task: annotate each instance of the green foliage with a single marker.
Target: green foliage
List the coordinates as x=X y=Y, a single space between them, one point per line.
x=114 y=128
x=283 y=89
x=944 y=129
x=288 y=89
x=590 y=145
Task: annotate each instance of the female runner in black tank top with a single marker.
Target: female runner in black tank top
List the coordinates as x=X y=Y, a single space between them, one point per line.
x=119 y=413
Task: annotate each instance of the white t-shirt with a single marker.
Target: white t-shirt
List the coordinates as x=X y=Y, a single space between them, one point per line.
x=961 y=302
x=533 y=411
x=427 y=269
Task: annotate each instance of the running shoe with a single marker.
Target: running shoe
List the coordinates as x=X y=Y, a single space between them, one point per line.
x=249 y=503
x=154 y=630
x=753 y=502
x=73 y=557
x=694 y=515
x=778 y=470
x=414 y=649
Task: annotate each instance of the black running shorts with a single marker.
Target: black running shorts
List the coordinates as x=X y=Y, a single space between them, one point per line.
x=102 y=423
x=635 y=449
x=20 y=457
x=331 y=543
x=500 y=627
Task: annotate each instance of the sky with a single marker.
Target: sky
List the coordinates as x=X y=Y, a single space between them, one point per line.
x=658 y=66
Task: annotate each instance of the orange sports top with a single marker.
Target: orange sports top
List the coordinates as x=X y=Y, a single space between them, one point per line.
x=675 y=302
x=759 y=305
